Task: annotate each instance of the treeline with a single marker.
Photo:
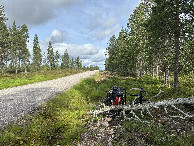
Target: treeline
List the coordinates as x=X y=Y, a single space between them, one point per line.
x=158 y=41
x=15 y=56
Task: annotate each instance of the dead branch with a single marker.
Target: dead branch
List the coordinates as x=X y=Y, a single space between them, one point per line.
x=147 y=106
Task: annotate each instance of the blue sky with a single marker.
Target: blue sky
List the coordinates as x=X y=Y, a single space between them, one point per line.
x=83 y=27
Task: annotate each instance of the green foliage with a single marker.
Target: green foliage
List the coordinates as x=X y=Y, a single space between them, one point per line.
x=143 y=134
x=50 y=56
x=57 y=59
x=4 y=38
x=66 y=62
x=37 y=57
x=158 y=41
x=78 y=63
x=70 y=63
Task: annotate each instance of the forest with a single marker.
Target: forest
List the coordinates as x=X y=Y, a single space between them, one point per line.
x=153 y=53
x=15 y=56
x=158 y=41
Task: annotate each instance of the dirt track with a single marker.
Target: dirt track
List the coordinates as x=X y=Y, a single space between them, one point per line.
x=18 y=101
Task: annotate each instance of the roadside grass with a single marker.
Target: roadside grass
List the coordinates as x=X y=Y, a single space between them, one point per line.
x=12 y=80
x=138 y=133
x=60 y=121
x=63 y=118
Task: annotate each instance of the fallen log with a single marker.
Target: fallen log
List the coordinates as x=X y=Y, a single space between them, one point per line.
x=146 y=106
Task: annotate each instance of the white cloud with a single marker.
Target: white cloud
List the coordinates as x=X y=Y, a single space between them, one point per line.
x=90 y=62
x=57 y=36
x=75 y=50
x=107 y=32
x=110 y=22
x=89 y=54
x=99 y=57
x=34 y=12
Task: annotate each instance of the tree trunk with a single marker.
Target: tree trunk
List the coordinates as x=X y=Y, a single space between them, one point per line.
x=165 y=77
x=1 y=63
x=141 y=68
x=6 y=64
x=2 y=69
x=176 y=47
x=168 y=74
x=25 y=67
x=137 y=70
x=16 y=66
x=157 y=70
x=153 y=72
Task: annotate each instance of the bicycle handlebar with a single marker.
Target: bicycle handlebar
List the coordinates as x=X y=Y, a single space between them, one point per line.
x=142 y=90
x=134 y=95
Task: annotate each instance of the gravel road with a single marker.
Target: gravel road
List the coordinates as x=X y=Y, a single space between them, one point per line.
x=18 y=101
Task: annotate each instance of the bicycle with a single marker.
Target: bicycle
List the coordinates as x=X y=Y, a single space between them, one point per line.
x=139 y=98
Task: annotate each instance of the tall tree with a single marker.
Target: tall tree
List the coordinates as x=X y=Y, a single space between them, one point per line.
x=65 y=64
x=78 y=63
x=15 y=39
x=50 y=56
x=122 y=55
x=25 y=54
x=165 y=24
x=72 y=63
x=138 y=39
x=110 y=63
x=57 y=59
x=37 y=56
x=4 y=35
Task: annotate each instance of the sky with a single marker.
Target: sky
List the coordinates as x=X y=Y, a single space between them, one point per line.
x=83 y=27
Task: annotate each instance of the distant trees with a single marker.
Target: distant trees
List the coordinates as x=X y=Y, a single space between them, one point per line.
x=158 y=41
x=66 y=62
x=50 y=56
x=14 y=51
x=57 y=59
x=78 y=63
x=37 y=56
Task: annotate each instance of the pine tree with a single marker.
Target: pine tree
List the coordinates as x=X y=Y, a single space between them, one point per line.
x=65 y=64
x=169 y=22
x=78 y=63
x=4 y=39
x=37 y=56
x=112 y=52
x=72 y=63
x=25 y=54
x=122 y=55
x=50 y=56
x=57 y=59
x=15 y=39
x=138 y=39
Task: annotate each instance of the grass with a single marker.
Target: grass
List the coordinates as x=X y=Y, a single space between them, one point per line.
x=62 y=119
x=12 y=80
x=139 y=133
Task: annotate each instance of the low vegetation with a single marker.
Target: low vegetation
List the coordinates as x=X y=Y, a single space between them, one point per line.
x=12 y=80
x=63 y=119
